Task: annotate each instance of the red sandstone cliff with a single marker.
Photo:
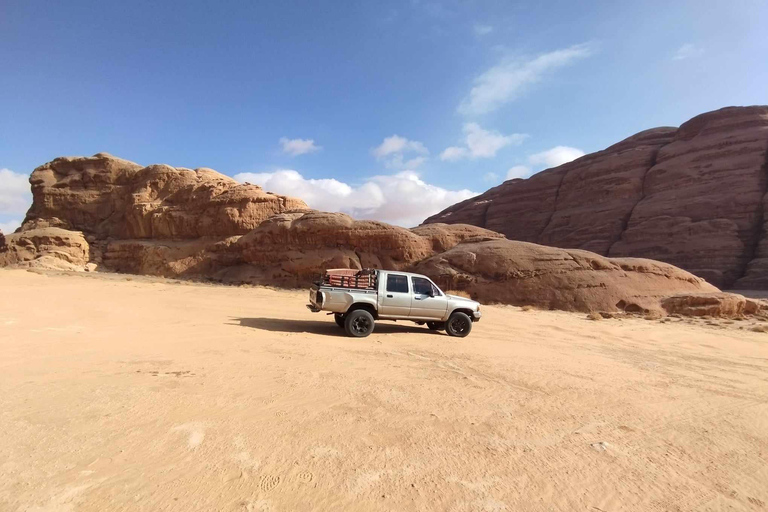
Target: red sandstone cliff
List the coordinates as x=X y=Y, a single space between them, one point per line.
x=691 y=196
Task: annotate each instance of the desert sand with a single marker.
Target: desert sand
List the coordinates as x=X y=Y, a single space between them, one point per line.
x=131 y=393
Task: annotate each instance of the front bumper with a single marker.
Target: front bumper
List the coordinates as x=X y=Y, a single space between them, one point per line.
x=476 y=315
x=313 y=308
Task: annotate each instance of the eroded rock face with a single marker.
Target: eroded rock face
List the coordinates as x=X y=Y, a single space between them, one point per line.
x=109 y=214
x=113 y=198
x=292 y=248
x=727 y=305
x=692 y=196
x=53 y=248
x=522 y=273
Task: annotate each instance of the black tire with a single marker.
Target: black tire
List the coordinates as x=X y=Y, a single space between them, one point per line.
x=436 y=326
x=459 y=325
x=339 y=319
x=358 y=323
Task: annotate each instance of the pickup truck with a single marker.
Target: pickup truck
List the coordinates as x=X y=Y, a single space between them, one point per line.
x=357 y=298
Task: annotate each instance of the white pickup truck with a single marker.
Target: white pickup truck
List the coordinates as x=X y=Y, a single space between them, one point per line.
x=357 y=298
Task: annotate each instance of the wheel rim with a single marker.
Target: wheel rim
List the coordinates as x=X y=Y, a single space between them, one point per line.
x=459 y=325
x=361 y=325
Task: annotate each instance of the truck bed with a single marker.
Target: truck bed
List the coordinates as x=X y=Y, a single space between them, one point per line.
x=364 y=279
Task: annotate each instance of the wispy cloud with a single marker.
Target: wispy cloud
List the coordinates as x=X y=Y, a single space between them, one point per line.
x=687 y=51
x=482 y=30
x=518 y=171
x=296 y=147
x=555 y=156
x=506 y=81
x=394 y=149
x=402 y=198
x=481 y=143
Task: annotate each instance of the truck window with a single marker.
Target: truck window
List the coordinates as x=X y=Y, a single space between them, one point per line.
x=422 y=286
x=397 y=284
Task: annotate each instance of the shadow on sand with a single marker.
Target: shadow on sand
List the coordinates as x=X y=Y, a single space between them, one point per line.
x=328 y=328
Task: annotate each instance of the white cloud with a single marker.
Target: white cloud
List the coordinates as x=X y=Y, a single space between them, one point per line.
x=413 y=163
x=506 y=81
x=490 y=177
x=453 y=153
x=15 y=193
x=402 y=198
x=482 y=30
x=398 y=144
x=393 y=150
x=296 y=147
x=686 y=51
x=555 y=156
x=518 y=171
x=9 y=226
x=481 y=143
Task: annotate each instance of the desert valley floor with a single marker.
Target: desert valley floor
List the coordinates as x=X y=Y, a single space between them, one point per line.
x=131 y=393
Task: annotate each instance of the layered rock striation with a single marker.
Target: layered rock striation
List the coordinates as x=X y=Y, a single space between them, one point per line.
x=691 y=196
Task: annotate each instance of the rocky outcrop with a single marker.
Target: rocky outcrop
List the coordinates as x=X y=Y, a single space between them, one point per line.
x=53 y=248
x=713 y=304
x=522 y=273
x=109 y=214
x=293 y=248
x=109 y=197
x=692 y=196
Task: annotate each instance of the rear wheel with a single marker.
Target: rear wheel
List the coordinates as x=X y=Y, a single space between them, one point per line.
x=436 y=326
x=459 y=324
x=358 y=323
x=339 y=319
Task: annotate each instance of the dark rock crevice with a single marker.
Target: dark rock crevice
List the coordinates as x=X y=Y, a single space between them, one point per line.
x=554 y=206
x=484 y=221
x=628 y=217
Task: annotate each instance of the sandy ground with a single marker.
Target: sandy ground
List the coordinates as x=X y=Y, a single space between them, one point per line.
x=121 y=394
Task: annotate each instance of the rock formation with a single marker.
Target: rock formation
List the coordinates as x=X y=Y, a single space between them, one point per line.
x=713 y=304
x=109 y=197
x=691 y=196
x=54 y=248
x=522 y=273
x=113 y=215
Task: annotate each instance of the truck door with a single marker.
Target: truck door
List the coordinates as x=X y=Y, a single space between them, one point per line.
x=428 y=301
x=396 y=300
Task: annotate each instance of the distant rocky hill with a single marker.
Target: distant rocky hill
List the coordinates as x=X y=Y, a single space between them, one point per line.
x=692 y=196
x=102 y=213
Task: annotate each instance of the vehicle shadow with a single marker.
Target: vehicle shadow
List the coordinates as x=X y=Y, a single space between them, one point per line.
x=328 y=328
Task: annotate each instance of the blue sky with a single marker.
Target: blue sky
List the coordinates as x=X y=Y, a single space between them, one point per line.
x=416 y=103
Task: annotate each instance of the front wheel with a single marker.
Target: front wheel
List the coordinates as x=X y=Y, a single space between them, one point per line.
x=358 y=323
x=436 y=326
x=459 y=325
x=339 y=319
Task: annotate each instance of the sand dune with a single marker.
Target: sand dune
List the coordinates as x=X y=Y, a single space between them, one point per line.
x=151 y=395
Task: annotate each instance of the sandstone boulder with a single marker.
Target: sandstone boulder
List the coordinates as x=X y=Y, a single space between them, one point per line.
x=522 y=273
x=291 y=248
x=52 y=248
x=692 y=196
x=712 y=304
